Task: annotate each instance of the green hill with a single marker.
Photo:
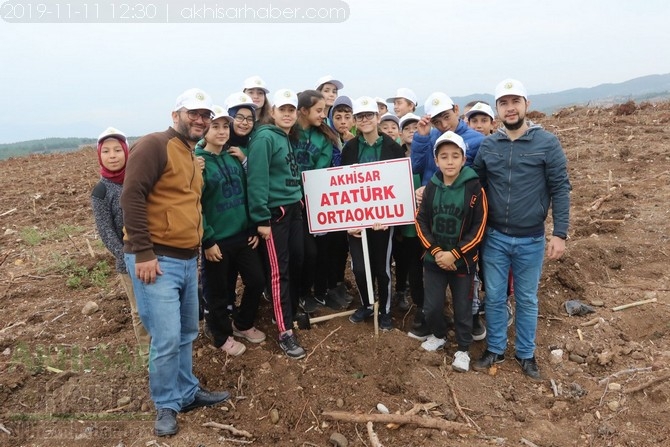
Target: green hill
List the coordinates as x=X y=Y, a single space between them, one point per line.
x=47 y=145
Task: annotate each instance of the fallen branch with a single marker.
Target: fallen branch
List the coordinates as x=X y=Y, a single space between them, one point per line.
x=621 y=373
x=321 y=342
x=596 y=204
x=648 y=384
x=11 y=326
x=8 y=212
x=527 y=442
x=374 y=439
x=565 y=130
x=230 y=428
x=465 y=417
x=426 y=422
x=114 y=410
x=3 y=428
x=235 y=441
x=634 y=304
x=90 y=249
x=554 y=387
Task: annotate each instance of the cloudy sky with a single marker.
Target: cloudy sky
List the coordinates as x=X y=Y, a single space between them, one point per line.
x=75 y=79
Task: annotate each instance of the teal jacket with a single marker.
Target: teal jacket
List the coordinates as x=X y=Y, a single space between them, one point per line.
x=224 y=199
x=313 y=150
x=273 y=176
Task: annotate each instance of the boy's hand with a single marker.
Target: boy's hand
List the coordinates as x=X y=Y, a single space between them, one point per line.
x=423 y=126
x=201 y=162
x=213 y=253
x=264 y=232
x=445 y=260
x=418 y=195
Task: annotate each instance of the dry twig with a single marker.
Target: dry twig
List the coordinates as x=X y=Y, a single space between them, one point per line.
x=647 y=384
x=527 y=442
x=634 y=304
x=230 y=428
x=374 y=439
x=426 y=422
x=319 y=344
x=622 y=372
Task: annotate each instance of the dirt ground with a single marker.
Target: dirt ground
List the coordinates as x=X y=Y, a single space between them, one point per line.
x=67 y=379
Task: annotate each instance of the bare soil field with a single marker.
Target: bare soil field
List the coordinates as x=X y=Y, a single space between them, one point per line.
x=69 y=379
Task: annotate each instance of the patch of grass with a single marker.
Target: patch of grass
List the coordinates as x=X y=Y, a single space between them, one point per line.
x=31 y=236
x=79 y=276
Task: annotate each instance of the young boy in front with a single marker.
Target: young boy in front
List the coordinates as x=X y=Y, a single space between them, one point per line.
x=450 y=224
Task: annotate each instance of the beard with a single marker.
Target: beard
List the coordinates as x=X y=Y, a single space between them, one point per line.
x=188 y=132
x=515 y=126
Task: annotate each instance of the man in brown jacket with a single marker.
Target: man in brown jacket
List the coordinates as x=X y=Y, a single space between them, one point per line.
x=163 y=228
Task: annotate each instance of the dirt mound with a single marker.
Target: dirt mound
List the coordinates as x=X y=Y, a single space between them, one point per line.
x=71 y=379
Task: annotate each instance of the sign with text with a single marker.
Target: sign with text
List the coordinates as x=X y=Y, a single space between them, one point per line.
x=358 y=196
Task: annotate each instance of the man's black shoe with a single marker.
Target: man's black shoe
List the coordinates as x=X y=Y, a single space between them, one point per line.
x=487 y=360
x=204 y=398
x=166 y=422
x=529 y=367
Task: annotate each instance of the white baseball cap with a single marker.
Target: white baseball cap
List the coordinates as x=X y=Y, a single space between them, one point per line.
x=112 y=132
x=405 y=93
x=328 y=79
x=389 y=117
x=221 y=112
x=510 y=87
x=449 y=137
x=380 y=100
x=365 y=104
x=193 y=99
x=408 y=118
x=239 y=99
x=482 y=108
x=285 y=96
x=255 y=82
x=437 y=103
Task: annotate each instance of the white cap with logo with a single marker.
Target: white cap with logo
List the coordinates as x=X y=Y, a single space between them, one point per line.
x=284 y=97
x=437 y=103
x=365 y=104
x=112 y=132
x=328 y=79
x=450 y=137
x=510 y=87
x=409 y=118
x=481 y=108
x=255 y=82
x=221 y=112
x=239 y=99
x=405 y=93
x=193 y=99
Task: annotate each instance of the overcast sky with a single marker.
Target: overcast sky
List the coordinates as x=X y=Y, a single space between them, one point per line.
x=70 y=79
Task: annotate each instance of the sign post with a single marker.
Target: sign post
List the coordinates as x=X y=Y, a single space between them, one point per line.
x=356 y=197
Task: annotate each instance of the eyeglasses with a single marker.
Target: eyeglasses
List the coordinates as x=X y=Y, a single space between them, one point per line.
x=194 y=115
x=364 y=116
x=241 y=118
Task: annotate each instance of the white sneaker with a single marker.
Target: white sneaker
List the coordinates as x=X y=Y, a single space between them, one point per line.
x=433 y=343
x=461 y=361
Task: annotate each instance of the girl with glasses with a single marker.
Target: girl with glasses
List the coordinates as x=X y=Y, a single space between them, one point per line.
x=370 y=146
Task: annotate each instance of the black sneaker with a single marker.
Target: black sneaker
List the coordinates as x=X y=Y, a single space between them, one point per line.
x=337 y=298
x=166 y=422
x=419 y=319
x=478 y=329
x=204 y=398
x=529 y=367
x=289 y=344
x=401 y=300
x=420 y=333
x=308 y=304
x=320 y=299
x=385 y=323
x=361 y=315
x=487 y=360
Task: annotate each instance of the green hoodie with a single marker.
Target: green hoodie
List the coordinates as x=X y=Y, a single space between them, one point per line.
x=224 y=198
x=453 y=217
x=314 y=150
x=273 y=177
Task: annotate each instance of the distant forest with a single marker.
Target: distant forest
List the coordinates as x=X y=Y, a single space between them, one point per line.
x=44 y=146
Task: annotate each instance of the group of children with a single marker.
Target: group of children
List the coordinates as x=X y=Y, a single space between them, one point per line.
x=255 y=224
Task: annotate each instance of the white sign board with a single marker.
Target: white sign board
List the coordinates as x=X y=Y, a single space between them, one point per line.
x=357 y=196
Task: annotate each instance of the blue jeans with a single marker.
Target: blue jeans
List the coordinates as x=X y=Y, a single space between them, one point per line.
x=525 y=256
x=169 y=311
